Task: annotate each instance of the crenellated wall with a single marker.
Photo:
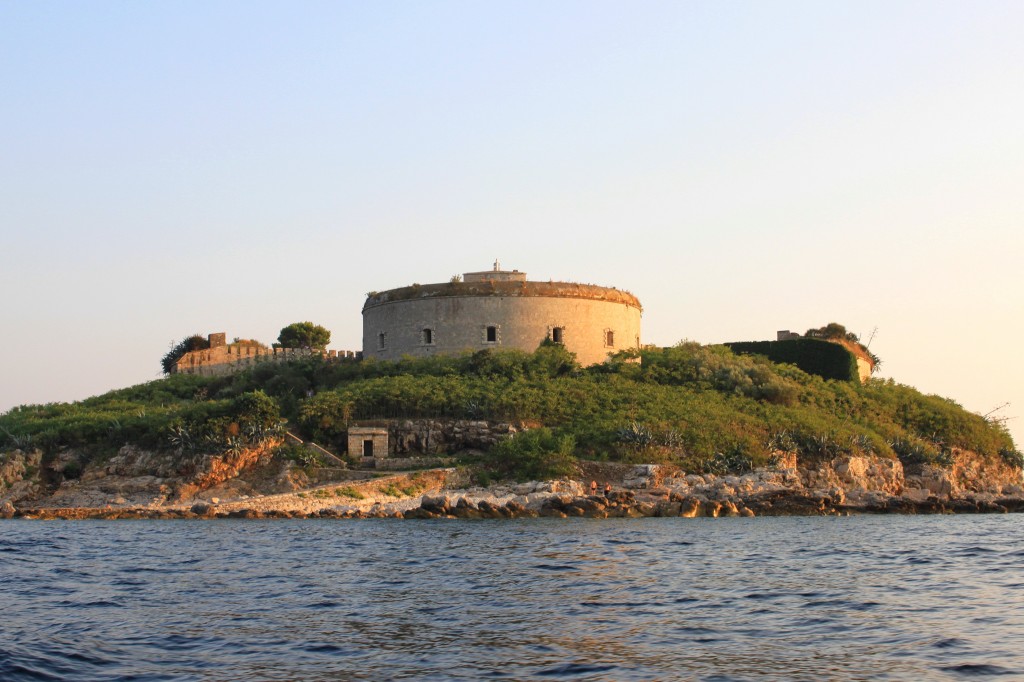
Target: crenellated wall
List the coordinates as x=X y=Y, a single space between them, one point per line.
x=226 y=358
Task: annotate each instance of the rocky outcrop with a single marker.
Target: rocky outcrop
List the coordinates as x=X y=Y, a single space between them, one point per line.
x=844 y=485
x=136 y=483
x=19 y=475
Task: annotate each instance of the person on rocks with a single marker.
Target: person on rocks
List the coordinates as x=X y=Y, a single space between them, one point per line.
x=607 y=489
x=593 y=487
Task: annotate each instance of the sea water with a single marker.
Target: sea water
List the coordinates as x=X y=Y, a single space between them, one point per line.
x=856 y=598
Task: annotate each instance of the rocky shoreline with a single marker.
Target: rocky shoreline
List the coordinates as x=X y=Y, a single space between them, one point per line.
x=136 y=484
x=618 y=504
x=843 y=487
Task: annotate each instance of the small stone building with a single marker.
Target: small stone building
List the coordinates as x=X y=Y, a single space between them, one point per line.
x=368 y=441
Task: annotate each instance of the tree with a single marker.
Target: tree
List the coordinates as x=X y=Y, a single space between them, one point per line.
x=832 y=330
x=304 y=335
x=194 y=342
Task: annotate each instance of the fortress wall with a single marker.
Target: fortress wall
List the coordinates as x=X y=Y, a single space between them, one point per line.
x=459 y=323
x=220 y=360
x=863 y=369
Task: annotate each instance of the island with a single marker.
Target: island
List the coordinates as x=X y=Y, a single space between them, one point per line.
x=688 y=430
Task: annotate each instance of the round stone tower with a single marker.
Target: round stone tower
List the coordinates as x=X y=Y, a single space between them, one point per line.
x=499 y=309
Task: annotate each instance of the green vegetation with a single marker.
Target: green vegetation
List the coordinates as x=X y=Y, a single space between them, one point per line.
x=536 y=454
x=191 y=343
x=832 y=331
x=304 y=335
x=395 y=490
x=303 y=455
x=350 y=492
x=702 y=407
x=814 y=356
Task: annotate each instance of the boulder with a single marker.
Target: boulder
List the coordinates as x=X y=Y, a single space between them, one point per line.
x=515 y=509
x=712 y=509
x=441 y=504
x=419 y=513
x=689 y=507
x=201 y=509
x=489 y=510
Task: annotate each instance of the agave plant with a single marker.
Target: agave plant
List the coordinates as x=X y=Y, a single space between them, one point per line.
x=673 y=438
x=734 y=461
x=181 y=436
x=20 y=441
x=635 y=434
x=782 y=441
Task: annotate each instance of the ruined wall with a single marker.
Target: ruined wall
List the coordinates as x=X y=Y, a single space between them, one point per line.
x=423 y=321
x=235 y=357
x=412 y=437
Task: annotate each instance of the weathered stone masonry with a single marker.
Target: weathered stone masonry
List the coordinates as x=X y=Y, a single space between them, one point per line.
x=500 y=309
x=224 y=358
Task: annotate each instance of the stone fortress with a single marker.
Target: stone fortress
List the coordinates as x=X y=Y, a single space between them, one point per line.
x=489 y=310
x=499 y=309
x=493 y=309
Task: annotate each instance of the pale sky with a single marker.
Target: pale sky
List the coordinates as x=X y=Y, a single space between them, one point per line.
x=742 y=167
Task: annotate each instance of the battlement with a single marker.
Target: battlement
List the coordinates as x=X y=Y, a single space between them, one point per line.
x=226 y=358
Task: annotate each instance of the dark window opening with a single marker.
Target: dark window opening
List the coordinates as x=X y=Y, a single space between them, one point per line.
x=609 y=338
x=368 y=448
x=382 y=340
x=492 y=335
x=556 y=334
x=428 y=336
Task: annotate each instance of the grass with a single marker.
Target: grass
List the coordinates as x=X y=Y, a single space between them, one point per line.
x=701 y=407
x=350 y=492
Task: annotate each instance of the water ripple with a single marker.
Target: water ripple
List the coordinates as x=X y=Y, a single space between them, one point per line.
x=899 y=598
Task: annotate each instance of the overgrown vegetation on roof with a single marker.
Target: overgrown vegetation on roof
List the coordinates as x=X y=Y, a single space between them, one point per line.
x=500 y=288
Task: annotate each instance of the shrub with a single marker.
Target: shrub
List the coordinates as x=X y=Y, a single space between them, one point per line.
x=532 y=455
x=1013 y=457
x=72 y=470
x=349 y=491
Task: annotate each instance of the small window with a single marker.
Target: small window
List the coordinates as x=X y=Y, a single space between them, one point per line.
x=492 y=335
x=428 y=337
x=557 y=334
x=382 y=340
x=609 y=338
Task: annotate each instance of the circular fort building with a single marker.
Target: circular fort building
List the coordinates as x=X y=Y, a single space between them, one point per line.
x=499 y=309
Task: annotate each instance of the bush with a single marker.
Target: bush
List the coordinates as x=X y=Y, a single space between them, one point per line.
x=1013 y=457
x=536 y=454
